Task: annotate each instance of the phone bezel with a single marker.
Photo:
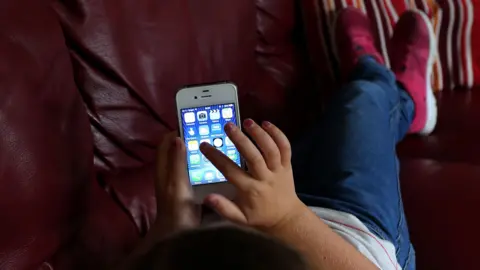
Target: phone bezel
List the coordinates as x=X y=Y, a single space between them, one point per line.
x=208 y=94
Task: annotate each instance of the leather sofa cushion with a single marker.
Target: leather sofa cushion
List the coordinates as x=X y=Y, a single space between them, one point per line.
x=441 y=202
x=45 y=140
x=455 y=138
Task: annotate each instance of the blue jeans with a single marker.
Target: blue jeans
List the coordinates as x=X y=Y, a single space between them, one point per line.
x=348 y=161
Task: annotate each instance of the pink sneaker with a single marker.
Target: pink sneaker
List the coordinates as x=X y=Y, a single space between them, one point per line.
x=412 y=53
x=353 y=38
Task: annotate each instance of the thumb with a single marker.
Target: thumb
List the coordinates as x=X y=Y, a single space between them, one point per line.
x=178 y=168
x=226 y=208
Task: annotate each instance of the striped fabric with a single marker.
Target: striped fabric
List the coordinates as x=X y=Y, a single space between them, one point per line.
x=456 y=66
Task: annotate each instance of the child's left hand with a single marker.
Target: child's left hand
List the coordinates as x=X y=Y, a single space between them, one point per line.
x=176 y=209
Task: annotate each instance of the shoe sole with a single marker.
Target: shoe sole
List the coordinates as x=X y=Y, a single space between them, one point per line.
x=431 y=101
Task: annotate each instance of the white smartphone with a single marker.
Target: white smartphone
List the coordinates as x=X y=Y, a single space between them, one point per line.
x=203 y=111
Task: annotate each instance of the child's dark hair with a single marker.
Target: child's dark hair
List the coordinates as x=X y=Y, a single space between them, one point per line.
x=222 y=248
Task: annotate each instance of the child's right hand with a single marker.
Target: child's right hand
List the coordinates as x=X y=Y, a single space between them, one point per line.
x=266 y=193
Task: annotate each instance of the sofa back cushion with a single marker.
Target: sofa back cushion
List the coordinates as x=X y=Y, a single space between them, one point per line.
x=45 y=139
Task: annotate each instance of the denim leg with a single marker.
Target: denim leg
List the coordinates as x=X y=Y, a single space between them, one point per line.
x=348 y=162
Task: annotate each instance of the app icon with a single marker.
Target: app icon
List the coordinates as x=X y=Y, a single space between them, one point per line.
x=228 y=142
x=215 y=114
x=205 y=159
x=218 y=142
x=196 y=176
x=227 y=113
x=191 y=132
x=220 y=175
x=194 y=159
x=192 y=145
x=205 y=140
x=202 y=116
x=232 y=154
x=216 y=128
x=209 y=176
x=189 y=117
x=204 y=130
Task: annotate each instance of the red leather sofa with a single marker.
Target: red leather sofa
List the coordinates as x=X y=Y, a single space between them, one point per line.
x=87 y=91
x=440 y=185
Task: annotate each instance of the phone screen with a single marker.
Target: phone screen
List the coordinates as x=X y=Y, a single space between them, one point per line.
x=205 y=124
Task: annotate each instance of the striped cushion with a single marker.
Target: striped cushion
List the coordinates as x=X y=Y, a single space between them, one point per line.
x=457 y=64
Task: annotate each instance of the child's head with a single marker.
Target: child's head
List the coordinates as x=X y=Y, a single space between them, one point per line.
x=222 y=248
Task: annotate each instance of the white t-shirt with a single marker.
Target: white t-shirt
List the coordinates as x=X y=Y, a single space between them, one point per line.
x=350 y=228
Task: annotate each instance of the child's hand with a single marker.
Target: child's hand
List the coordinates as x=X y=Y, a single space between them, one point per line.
x=175 y=205
x=266 y=193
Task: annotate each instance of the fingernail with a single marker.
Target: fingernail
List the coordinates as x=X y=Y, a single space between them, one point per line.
x=229 y=126
x=177 y=143
x=204 y=144
x=266 y=124
x=248 y=123
x=211 y=201
x=173 y=141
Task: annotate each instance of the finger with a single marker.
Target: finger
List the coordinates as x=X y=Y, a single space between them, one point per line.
x=226 y=208
x=234 y=174
x=269 y=148
x=190 y=215
x=254 y=159
x=281 y=140
x=162 y=159
x=178 y=171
